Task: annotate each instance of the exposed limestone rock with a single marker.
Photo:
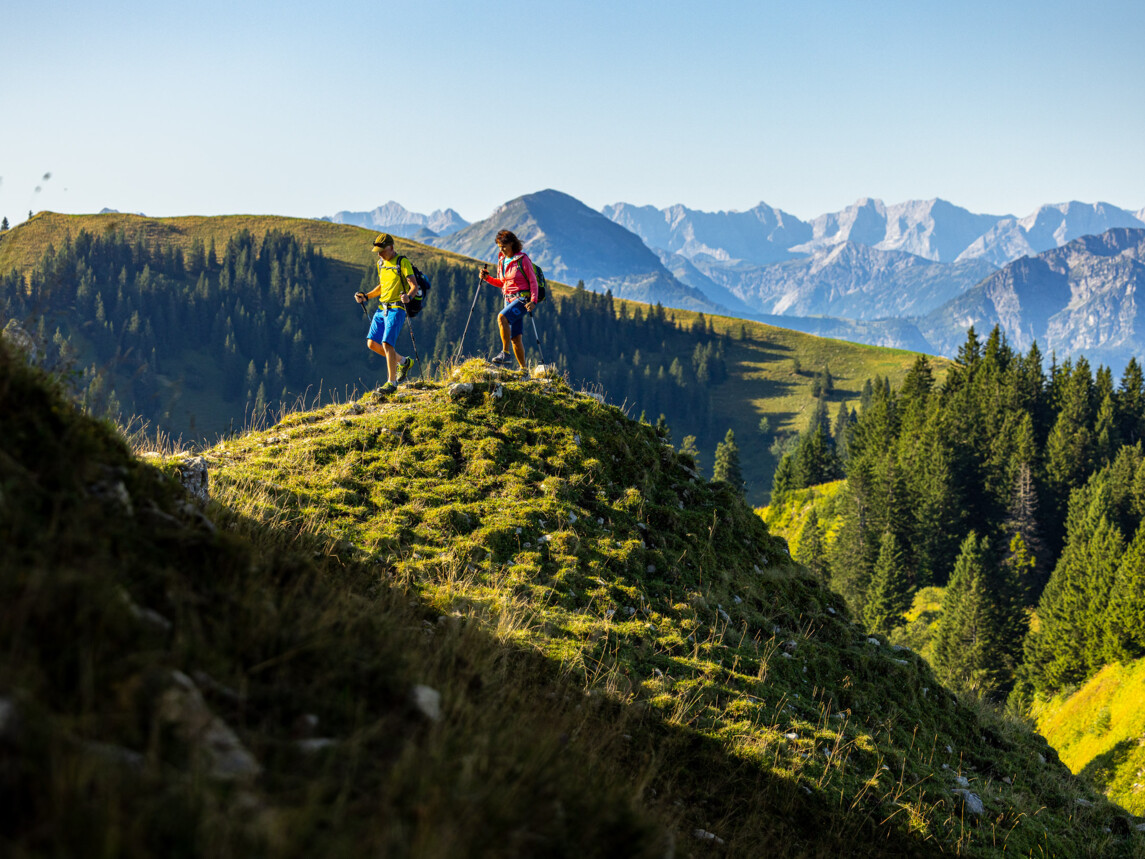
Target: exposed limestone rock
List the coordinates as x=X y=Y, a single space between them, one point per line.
x=704 y=835
x=428 y=701
x=193 y=476
x=112 y=492
x=213 y=743
x=21 y=339
x=148 y=618
x=970 y=801
x=460 y=389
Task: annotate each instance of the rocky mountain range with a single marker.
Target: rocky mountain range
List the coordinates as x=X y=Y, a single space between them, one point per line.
x=395 y=218
x=1079 y=299
x=912 y=275
x=932 y=229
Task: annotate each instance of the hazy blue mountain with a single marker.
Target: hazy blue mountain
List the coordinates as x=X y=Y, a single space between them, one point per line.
x=933 y=229
x=395 y=218
x=759 y=235
x=1076 y=299
x=684 y=271
x=848 y=280
x=573 y=242
x=1048 y=227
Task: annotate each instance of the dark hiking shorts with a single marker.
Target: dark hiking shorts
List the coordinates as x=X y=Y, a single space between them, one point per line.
x=514 y=314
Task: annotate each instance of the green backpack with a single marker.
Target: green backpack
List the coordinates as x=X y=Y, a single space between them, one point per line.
x=542 y=284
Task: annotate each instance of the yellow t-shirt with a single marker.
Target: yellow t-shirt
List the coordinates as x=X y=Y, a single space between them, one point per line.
x=391 y=281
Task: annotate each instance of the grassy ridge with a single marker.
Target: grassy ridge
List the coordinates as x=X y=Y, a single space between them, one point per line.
x=624 y=657
x=1098 y=730
x=771 y=369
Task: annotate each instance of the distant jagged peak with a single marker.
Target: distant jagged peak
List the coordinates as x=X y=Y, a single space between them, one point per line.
x=395 y=217
x=1055 y=224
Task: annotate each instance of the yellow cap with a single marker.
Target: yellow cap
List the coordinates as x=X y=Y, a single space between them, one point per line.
x=383 y=239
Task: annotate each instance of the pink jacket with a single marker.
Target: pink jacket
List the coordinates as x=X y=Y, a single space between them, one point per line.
x=516 y=276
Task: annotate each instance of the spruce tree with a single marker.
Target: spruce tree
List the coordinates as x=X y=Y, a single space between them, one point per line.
x=965 y=638
x=726 y=467
x=811 y=551
x=890 y=591
x=784 y=479
x=1124 y=637
x=1068 y=643
x=4 y=225
x=688 y=448
x=1130 y=403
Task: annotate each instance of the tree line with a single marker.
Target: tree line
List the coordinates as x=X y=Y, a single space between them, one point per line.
x=259 y=320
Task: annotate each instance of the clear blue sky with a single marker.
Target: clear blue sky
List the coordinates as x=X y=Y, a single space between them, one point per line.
x=305 y=108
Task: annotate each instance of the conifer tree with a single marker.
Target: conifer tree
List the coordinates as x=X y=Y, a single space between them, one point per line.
x=890 y=594
x=688 y=448
x=1125 y=618
x=725 y=466
x=1026 y=551
x=811 y=551
x=965 y=637
x=1130 y=403
x=841 y=432
x=783 y=481
x=1069 y=641
x=4 y=225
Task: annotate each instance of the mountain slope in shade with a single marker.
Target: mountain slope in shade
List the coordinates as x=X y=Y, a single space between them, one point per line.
x=1076 y=299
x=395 y=218
x=573 y=242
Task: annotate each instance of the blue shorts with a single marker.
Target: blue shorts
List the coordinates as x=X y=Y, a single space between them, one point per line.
x=387 y=325
x=514 y=314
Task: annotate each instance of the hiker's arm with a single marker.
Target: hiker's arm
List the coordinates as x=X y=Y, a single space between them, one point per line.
x=407 y=272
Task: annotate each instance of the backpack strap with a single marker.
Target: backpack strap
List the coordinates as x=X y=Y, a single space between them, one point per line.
x=400 y=260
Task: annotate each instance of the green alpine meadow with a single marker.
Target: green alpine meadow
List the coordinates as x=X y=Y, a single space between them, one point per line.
x=250 y=606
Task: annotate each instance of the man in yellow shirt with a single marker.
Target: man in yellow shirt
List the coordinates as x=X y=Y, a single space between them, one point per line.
x=394 y=272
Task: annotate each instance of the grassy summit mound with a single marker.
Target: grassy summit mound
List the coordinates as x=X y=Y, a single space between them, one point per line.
x=488 y=616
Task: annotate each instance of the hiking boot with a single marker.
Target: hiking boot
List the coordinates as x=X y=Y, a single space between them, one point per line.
x=386 y=389
x=503 y=358
x=404 y=368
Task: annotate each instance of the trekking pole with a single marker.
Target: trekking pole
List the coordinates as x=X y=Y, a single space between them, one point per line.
x=461 y=342
x=362 y=304
x=538 y=338
x=417 y=360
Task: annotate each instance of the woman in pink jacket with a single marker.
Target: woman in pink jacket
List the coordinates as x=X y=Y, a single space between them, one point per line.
x=518 y=283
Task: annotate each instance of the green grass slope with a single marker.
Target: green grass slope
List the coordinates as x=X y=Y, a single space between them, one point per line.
x=1099 y=730
x=771 y=369
x=497 y=620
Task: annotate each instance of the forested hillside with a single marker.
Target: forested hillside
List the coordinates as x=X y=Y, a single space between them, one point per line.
x=200 y=326
x=1018 y=489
